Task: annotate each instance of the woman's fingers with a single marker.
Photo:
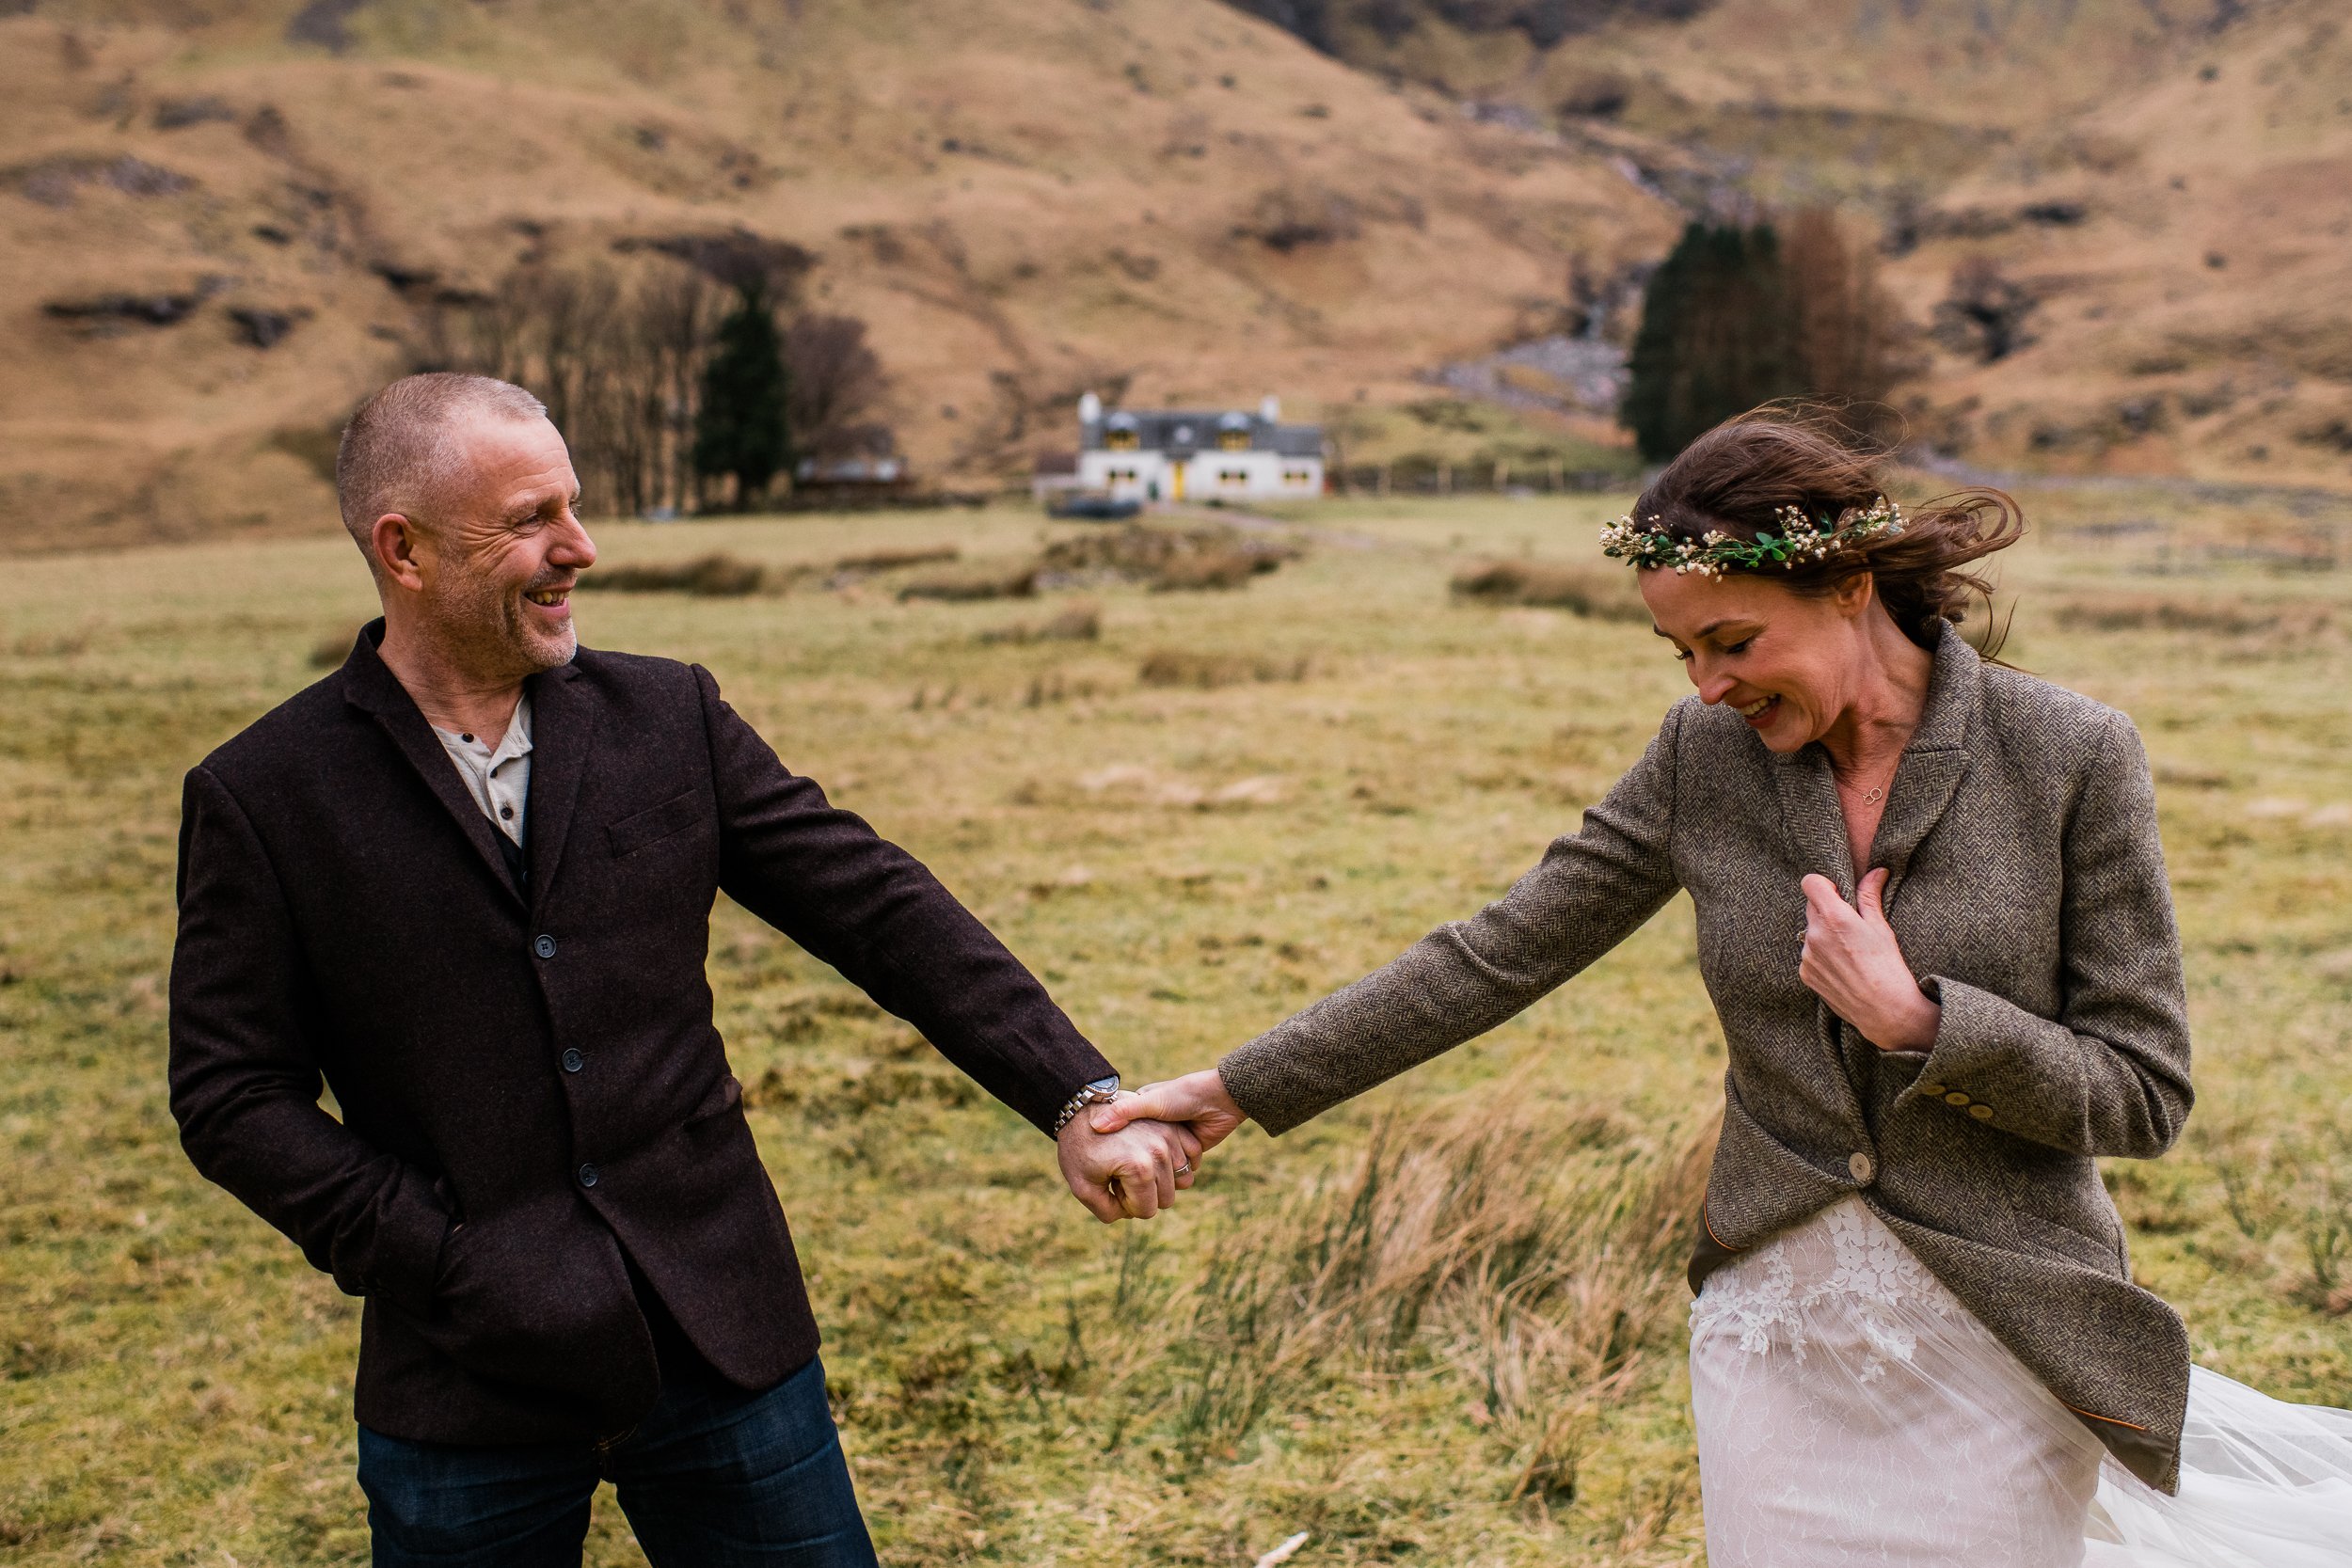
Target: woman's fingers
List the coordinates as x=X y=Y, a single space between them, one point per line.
x=1871 y=897
x=1151 y=1103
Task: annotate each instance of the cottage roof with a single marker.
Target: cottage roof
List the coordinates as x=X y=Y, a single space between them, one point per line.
x=1182 y=432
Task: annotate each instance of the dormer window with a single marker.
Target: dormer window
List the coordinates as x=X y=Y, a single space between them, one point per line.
x=1233 y=440
x=1119 y=441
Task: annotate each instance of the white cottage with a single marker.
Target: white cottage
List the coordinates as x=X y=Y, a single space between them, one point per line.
x=1177 y=454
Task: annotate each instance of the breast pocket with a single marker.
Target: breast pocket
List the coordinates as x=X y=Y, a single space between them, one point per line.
x=674 y=815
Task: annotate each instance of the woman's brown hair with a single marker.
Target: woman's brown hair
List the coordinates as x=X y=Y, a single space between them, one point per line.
x=1738 y=477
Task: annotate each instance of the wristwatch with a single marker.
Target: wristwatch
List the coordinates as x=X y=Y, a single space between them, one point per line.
x=1096 y=1093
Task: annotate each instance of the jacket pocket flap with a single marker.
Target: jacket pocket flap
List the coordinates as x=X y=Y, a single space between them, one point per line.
x=674 y=815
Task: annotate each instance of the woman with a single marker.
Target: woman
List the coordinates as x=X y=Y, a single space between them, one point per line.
x=1933 y=919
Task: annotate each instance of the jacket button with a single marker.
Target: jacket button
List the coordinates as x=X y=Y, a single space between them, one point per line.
x=1931 y=1090
x=1982 y=1113
x=544 y=945
x=589 y=1176
x=574 y=1061
x=1955 y=1097
x=1860 y=1164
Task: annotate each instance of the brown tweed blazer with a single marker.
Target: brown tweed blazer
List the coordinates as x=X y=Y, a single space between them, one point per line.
x=2028 y=892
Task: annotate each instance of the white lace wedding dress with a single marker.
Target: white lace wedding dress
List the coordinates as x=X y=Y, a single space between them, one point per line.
x=1851 y=1411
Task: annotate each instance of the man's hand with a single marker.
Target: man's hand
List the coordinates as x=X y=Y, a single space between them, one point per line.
x=1852 y=961
x=1197 y=1100
x=1132 y=1173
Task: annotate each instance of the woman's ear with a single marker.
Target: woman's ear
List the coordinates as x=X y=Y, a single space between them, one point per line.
x=1854 y=595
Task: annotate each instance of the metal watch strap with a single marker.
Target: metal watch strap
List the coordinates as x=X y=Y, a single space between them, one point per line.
x=1095 y=1093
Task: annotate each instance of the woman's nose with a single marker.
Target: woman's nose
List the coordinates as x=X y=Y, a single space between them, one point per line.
x=1713 y=687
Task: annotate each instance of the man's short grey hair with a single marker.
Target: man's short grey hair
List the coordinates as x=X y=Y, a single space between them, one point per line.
x=399 y=451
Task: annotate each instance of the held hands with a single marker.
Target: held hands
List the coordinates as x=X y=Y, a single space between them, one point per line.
x=1129 y=1158
x=1852 y=960
x=1127 y=1172
x=1197 y=1100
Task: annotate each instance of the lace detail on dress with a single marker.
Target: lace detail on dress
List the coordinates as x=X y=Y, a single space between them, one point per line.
x=1763 y=1298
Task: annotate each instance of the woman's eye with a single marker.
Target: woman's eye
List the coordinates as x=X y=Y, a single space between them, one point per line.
x=1683 y=653
x=1739 y=647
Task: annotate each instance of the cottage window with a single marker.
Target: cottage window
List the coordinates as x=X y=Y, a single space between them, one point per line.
x=1119 y=441
x=1297 y=476
x=1233 y=440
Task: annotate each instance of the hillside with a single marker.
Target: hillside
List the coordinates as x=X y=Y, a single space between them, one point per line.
x=1024 y=198
x=2166 y=187
x=226 y=223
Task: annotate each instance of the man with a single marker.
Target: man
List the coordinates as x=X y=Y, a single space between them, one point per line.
x=467 y=881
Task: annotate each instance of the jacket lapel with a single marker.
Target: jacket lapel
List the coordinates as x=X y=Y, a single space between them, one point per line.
x=1933 y=764
x=562 y=730
x=1810 y=816
x=371 y=685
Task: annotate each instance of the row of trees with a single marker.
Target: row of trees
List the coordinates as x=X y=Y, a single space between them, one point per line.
x=674 y=389
x=1739 y=316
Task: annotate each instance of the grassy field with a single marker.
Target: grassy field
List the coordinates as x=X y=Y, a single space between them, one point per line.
x=1443 y=1326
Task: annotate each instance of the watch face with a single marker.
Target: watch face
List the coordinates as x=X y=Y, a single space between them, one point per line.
x=1105 y=1085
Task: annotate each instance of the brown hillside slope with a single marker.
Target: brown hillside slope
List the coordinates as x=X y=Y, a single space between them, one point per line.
x=2169 y=180
x=1024 y=198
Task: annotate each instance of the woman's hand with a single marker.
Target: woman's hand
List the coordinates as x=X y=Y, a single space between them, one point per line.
x=1851 y=961
x=1197 y=1099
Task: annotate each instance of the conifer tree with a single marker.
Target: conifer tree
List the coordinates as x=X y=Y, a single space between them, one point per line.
x=740 y=427
x=1718 y=336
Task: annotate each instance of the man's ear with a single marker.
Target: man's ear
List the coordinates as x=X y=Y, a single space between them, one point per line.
x=398 y=550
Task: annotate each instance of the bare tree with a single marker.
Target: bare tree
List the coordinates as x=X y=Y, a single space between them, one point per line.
x=838 y=387
x=1852 y=338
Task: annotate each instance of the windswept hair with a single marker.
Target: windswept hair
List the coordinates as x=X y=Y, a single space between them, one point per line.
x=1738 y=477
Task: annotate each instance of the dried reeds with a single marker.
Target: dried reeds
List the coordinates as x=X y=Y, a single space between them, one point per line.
x=1596 y=592
x=1540 y=1257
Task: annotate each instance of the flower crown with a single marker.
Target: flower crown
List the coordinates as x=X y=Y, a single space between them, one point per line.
x=1800 y=538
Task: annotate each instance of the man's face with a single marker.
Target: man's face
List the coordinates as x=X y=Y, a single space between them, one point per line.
x=504 y=551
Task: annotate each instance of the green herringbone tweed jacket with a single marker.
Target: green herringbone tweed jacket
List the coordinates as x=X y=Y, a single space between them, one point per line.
x=2028 y=892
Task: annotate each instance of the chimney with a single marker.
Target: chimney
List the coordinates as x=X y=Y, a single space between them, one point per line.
x=1270 y=409
x=1090 y=409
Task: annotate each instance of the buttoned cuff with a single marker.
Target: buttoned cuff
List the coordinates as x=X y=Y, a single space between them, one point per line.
x=1974 y=1050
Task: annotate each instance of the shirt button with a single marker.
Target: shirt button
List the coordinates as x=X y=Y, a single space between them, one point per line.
x=506 y=814
x=590 y=1176
x=1982 y=1113
x=1955 y=1097
x=544 y=947
x=574 y=1061
x=1860 y=1164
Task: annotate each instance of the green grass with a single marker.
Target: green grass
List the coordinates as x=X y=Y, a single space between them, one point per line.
x=1185 y=864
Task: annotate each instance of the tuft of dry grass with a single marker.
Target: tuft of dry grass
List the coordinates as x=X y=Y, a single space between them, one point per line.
x=717 y=576
x=1596 y=592
x=890 y=561
x=980 y=582
x=1169 y=558
x=2160 y=613
x=1081 y=622
x=1167 y=667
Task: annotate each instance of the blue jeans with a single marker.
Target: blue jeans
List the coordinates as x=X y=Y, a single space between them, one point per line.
x=711 y=1477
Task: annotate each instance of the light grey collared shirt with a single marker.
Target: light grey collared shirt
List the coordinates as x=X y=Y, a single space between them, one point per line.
x=497 y=777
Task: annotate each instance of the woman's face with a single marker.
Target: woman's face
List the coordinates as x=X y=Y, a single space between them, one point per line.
x=1785 y=661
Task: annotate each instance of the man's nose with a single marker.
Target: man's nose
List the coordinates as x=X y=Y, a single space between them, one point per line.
x=573 y=547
